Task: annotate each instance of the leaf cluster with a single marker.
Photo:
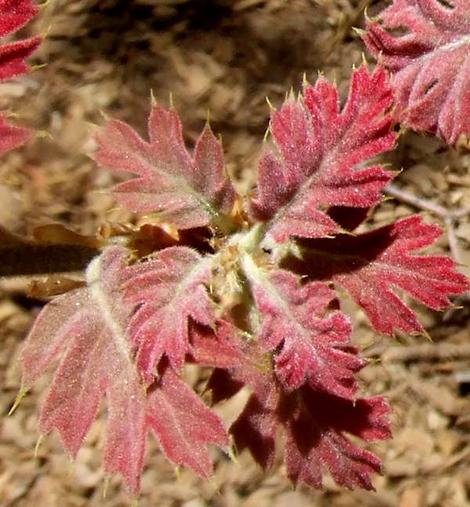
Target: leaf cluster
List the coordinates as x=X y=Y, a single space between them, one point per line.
x=248 y=285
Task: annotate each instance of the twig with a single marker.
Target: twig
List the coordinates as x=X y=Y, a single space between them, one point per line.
x=415 y=201
x=449 y=216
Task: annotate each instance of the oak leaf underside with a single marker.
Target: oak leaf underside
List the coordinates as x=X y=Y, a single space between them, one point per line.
x=371 y=266
x=186 y=191
x=430 y=63
x=318 y=147
x=86 y=331
x=127 y=335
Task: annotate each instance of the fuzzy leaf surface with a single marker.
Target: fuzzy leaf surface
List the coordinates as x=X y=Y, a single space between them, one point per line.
x=169 y=290
x=11 y=137
x=315 y=425
x=318 y=147
x=430 y=63
x=187 y=191
x=219 y=348
x=87 y=332
x=86 y=329
x=314 y=346
x=371 y=266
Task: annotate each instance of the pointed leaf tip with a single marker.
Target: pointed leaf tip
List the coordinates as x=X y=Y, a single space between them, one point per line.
x=39 y=442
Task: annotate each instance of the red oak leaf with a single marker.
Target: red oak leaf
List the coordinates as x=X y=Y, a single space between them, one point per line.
x=256 y=427
x=185 y=191
x=313 y=346
x=14 y=14
x=221 y=348
x=11 y=137
x=87 y=331
x=430 y=63
x=321 y=149
x=315 y=423
x=183 y=425
x=371 y=265
x=169 y=290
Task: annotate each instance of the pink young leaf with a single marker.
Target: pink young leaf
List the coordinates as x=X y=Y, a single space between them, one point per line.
x=256 y=428
x=220 y=348
x=183 y=425
x=315 y=423
x=430 y=63
x=185 y=191
x=14 y=14
x=169 y=290
x=319 y=156
x=314 y=346
x=371 y=266
x=11 y=137
x=87 y=328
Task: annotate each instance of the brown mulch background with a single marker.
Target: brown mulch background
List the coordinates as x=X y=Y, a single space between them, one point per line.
x=226 y=57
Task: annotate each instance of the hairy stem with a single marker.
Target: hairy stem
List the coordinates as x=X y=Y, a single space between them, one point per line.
x=449 y=216
x=28 y=259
